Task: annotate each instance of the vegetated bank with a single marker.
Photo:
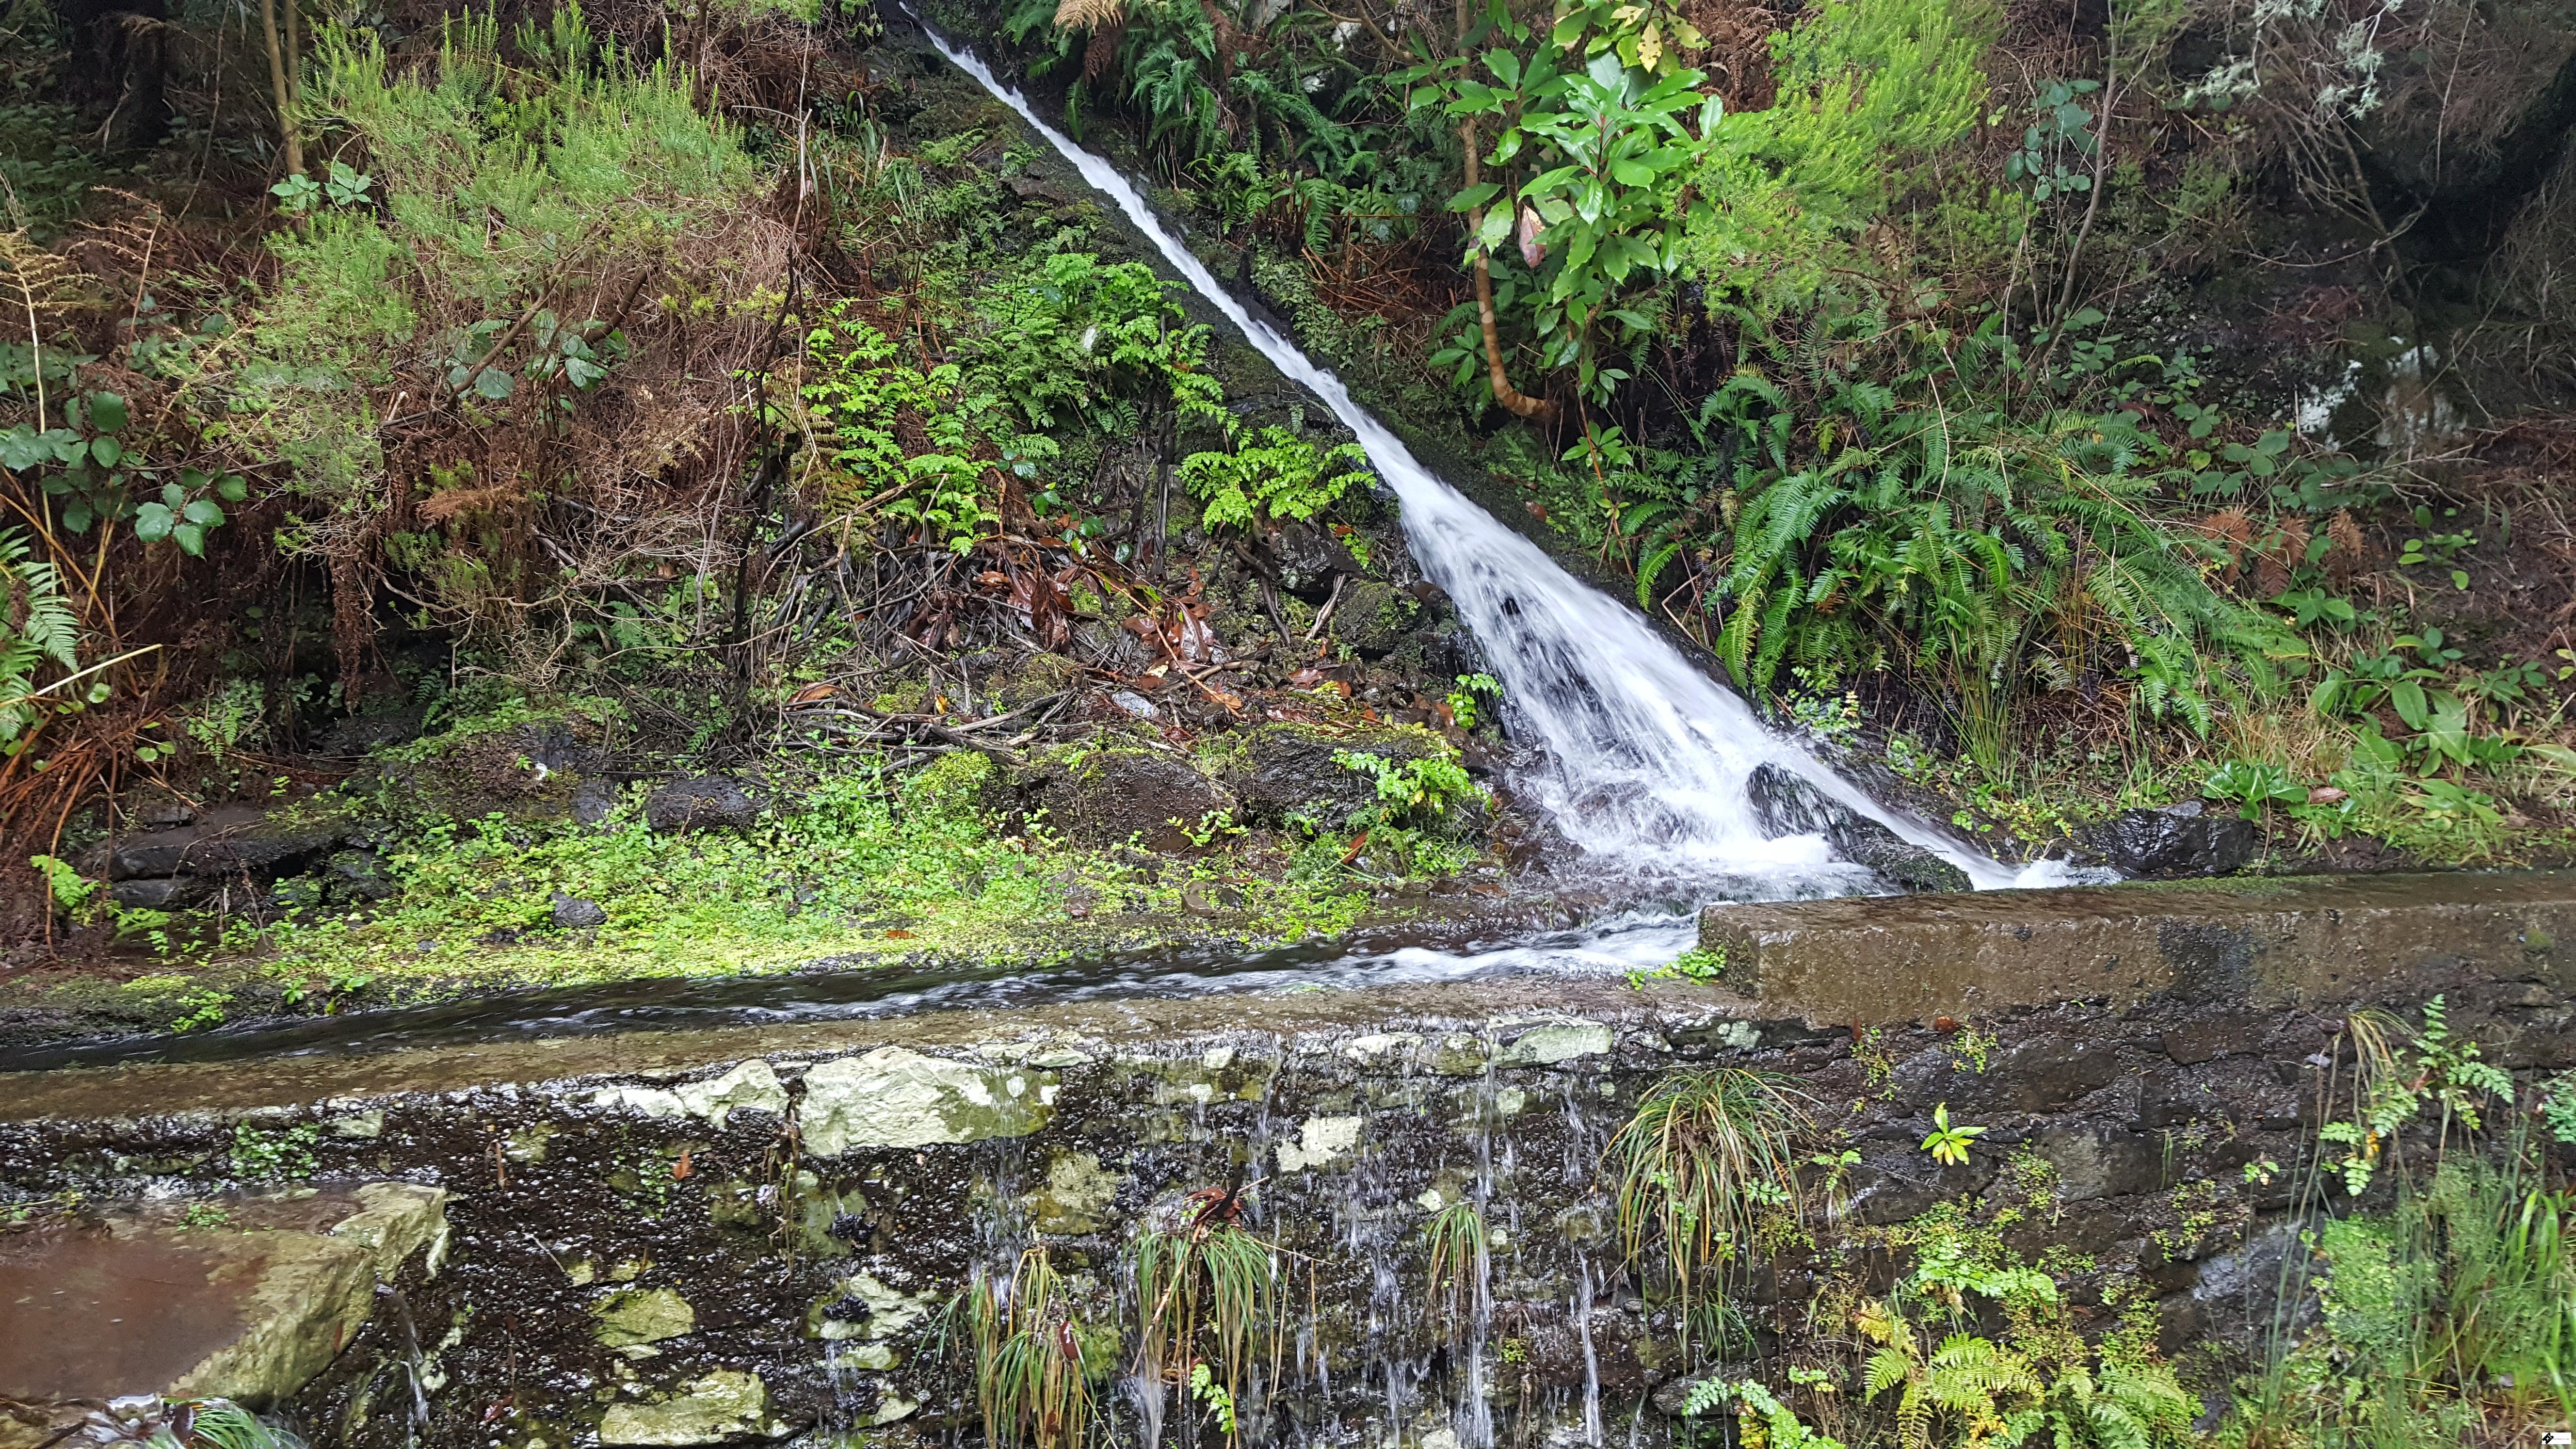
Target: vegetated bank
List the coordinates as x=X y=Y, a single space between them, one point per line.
x=562 y=425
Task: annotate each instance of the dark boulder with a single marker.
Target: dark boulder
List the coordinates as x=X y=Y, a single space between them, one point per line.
x=160 y=893
x=573 y=913
x=593 y=801
x=1105 y=796
x=701 y=802
x=1788 y=804
x=2169 y=843
x=225 y=841
x=354 y=736
x=1310 y=558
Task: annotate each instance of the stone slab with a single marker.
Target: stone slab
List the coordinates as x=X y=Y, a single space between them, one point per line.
x=2294 y=941
x=140 y=1302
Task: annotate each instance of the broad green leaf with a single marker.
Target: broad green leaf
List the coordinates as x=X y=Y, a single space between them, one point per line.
x=2408 y=697
x=107 y=413
x=1474 y=196
x=190 y=538
x=204 y=512
x=495 y=384
x=1496 y=230
x=152 y=522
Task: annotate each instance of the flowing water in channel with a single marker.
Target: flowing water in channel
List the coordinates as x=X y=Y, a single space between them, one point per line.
x=1646 y=757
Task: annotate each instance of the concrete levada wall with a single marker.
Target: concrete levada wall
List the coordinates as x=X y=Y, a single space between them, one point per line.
x=682 y=1242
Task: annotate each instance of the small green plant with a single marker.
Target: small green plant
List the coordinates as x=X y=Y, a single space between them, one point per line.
x=37 y=628
x=1205 y=1389
x=2558 y=1108
x=69 y=892
x=1463 y=708
x=1034 y=1357
x=205 y=1008
x=262 y=1156
x=1964 y=1378
x=1700 y=963
x=1205 y=1291
x=1949 y=1144
x=2388 y=1093
x=1409 y=790
x=1455 y=1241
x=1702 y=1158
x=1761 y=1417
x=1971 y=1049
x=205 y=1215
x=2253 y=788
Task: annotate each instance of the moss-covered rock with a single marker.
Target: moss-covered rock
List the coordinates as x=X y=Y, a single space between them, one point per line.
x=1284 y=766
x=1107 y=796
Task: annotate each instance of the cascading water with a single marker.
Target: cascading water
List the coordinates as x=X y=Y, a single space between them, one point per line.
x=1647 y=758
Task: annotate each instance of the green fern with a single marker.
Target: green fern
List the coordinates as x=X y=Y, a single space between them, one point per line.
x=1966 y=1379
x=37 y=627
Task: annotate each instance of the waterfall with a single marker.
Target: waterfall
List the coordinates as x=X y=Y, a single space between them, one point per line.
x=1646 y=757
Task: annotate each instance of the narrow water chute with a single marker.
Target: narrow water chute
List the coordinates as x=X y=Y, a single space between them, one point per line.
x=1647 y=758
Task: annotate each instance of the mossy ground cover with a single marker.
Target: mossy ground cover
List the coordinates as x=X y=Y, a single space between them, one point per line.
x=871 y=869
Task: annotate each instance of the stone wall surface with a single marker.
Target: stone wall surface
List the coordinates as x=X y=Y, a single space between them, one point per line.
x=764 y=1245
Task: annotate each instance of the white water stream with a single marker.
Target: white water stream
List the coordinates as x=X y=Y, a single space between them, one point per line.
x=1646 y=756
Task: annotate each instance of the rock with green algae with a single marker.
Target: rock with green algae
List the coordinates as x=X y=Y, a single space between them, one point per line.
x=895 y=1097
x=1077 y=1195
x=725 y=1405
x=643 y=1315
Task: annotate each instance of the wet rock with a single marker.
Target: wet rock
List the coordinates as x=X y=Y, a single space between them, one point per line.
x=1107 y=796
x=1283 y=767
x=643 y=1315
x=1373 y=618
x=2169 y=843
x=1321 y=1140
x=2098 y=1162
x=251 y=1313
x=1076 y=1197
x=572 y=913
x=162 y=813
x=750 y=1087
x=395 y=1220
x=649 y=1101
x=1788 y=804
x=1544 y=1041
x=864 y=1307
x=725 y=1405
x=160 y=893
x=702 y=802
x=895 y=1097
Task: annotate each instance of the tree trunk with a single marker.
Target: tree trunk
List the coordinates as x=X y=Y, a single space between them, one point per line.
x=281 y=79
x=1512 y=398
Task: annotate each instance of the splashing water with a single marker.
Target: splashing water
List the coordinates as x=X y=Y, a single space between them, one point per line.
x=1646 y=756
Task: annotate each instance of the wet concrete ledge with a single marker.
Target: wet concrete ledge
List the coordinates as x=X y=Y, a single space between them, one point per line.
x=2315 y=941
x=1271 y=1021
